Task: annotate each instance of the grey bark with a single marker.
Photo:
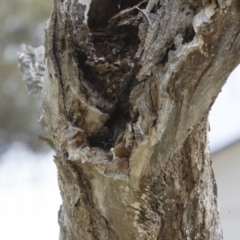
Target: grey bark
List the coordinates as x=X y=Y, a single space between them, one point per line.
x=126 y=97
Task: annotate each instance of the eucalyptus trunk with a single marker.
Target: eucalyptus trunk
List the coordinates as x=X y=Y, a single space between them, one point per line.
x=126 y=96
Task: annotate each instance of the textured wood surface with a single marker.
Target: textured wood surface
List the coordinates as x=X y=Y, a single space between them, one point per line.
x=126 y=98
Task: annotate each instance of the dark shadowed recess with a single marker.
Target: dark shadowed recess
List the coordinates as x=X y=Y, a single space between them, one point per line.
x=115 y=46
x=102 y=10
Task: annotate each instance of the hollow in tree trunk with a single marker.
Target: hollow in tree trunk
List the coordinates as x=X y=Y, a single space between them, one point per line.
x=126 y=96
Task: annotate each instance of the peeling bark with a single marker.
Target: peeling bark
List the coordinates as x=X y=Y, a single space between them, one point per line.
x=126 y=98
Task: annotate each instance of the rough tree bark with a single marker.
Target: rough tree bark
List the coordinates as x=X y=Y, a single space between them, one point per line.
x=126 y=98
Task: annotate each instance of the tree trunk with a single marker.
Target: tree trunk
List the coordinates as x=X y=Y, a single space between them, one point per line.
x=126 y=98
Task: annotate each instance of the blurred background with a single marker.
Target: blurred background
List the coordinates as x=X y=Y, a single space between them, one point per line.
x=29 y=195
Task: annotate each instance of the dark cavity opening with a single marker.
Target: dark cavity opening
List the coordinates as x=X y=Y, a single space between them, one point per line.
x=117 y=123
x=113 y=128
x=189 y=35
x=102 y=139
x=155 y=8
x=165 y=57
x=102 y=10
